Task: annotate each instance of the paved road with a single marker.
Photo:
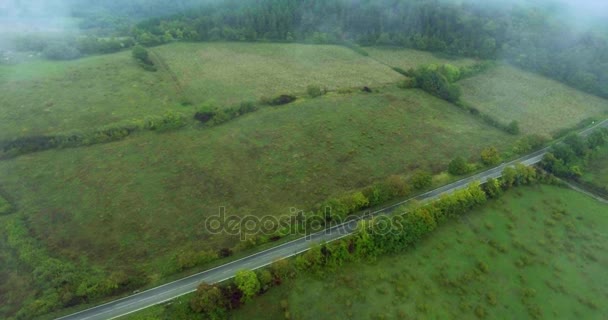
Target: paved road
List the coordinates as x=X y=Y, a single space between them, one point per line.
x=186 y=285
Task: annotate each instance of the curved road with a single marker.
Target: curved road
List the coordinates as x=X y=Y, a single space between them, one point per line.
x=189 y=284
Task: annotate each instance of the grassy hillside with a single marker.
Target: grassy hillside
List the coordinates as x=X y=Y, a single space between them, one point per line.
x=148 y=195
x=232 y=72
x=535 y=254
x=42 y=97
x=540 y=105
x=409 y=58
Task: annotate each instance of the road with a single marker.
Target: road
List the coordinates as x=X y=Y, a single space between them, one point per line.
x=187 y=285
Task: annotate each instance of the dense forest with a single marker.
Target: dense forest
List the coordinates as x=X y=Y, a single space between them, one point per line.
x=526 y=36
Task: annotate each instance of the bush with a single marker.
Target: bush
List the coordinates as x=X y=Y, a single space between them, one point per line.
x=513 y=128
x=315 y=91
x=458 y=167
x=490 y=156
x=280 y=100
x=422 y=179
x=142 y=56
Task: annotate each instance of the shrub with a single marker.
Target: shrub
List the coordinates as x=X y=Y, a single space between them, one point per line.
x=5 y=206
x=315 y=91
x=280 y=100
x=422 y=179
x=490 y=156
x=142 y=56
x=513 y=128
x=458 y=167
x=247 y=281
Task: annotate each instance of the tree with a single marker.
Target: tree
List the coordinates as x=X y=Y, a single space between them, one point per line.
x=458 y=166
x=247 y=281
x=577 y=144
x=490 y=156
x=422 y=179
x=210 y=301
x=492 y=188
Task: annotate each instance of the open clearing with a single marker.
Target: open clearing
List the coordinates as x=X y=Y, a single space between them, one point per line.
x=543 y=248
x=540 y=105
x=409 y=58
x=232 y=72
x=148 y=195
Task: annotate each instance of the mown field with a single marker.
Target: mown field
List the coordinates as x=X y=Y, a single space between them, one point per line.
x=409 y=58
x=44 y=97
x=232 y=72
x=537 y=253
x=540 y=105
x=136 y=203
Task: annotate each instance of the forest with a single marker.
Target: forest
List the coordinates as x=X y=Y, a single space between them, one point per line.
x=527 y=36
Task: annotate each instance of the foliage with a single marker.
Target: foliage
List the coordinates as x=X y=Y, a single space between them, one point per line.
x=142 y=56
x=315 y=91
x=247 y=281
x=459 y=166
x=209 y=301
x=566 y=159
x=279 y=100
x=513 y=127
x=525 y=36
x=421 y=179
x=60 y=51
x=490 y=156
x=438 y=81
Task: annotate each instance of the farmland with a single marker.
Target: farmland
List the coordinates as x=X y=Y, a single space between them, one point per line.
x=150 y=194
x=43 y=97
x=535 y=253
x=229 y=73
x=409 y=58
x=540 y=105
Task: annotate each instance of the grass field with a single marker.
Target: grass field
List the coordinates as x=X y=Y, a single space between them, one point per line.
x=45 y=97
x=42 y=97
x=540 y=105
x=409 y=58
x=148 y=195
x=233 y=72
x=538 y=253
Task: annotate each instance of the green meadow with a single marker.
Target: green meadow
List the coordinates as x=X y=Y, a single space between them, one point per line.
x=150 y=194
x=540 y=105
x=229 y=73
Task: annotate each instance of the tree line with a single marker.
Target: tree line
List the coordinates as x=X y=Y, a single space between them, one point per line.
x=525 y=35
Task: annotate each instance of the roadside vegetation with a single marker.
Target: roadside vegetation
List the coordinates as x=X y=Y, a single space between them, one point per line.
x=479 y=264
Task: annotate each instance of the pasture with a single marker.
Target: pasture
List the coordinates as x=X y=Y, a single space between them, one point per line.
x=229 y=73
x=410 y=58
x=540 y=105
x=148 y=195
x=46 y=97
